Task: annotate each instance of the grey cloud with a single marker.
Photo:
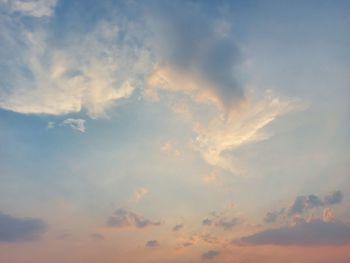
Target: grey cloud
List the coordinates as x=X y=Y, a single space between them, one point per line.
x=152 y=243
x=305 y=233
x=299 y=205
x=124 y=218
x=334 y=198
x=14 y=229
x=196 y=47
x=210 y=254
x=304 y=203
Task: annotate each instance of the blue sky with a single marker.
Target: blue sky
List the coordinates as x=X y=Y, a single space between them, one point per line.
x=174 y=131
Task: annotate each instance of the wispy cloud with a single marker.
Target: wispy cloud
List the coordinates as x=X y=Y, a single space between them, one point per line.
x=35 y=8
x=75 y=124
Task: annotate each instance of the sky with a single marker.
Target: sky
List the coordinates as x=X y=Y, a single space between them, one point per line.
x=174 y=131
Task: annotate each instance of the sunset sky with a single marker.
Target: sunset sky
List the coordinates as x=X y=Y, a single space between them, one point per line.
x=174 y=131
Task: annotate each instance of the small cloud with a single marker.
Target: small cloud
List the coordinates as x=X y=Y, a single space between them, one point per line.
x=123 y=218
x=210 y=254
x=97 y=236
x=328 y=214
x=311 y=233
x=138 y=195
x=50 y=125
x=178 y=227
x=227 y=224
x=152 y=243
x=13 y=229
x=207 y=222
x=75 y=124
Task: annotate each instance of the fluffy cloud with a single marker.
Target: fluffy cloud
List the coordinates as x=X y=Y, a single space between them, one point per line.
x=86 y=72
x=14 y=229
x=210 y=254
x=311 y=233
x=123 y=218
x=152 y=243
x=75 y=124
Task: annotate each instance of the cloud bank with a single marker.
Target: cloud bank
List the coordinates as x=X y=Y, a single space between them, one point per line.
x=311 y=233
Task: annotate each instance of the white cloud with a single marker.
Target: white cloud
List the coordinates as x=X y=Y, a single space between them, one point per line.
x=90 y=72
x=75 y=124
x=36 y=8
x=221 y=135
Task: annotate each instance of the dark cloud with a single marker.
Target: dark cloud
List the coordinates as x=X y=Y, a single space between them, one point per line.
x=14 y=229
x=152 y=243
x=202 y=47
x=210 y=254
x=124 y=218
x=178 y=227
x=316 y=232
x=335 y=198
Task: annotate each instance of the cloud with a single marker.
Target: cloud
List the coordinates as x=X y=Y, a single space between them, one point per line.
x=75 y=124
x=311 y=233
x=89 y=71
x=210 y=254
x=138 y=195
x=13 y=229
x=152 y=243
x=222 y=135
x=35 y=8
x=178 y=227
x=205 y=58
x=227 y=224
x=221 y=222
x=123 y=218
x=302 y=204
x=334 y=198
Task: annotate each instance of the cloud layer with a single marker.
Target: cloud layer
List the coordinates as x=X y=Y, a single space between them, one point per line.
x=316 y=232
